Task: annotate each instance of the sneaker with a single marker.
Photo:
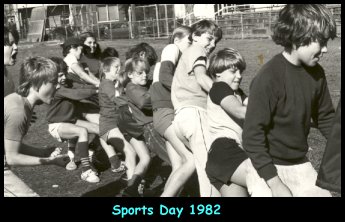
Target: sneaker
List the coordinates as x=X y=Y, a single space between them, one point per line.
x=120 y=169
x=71 y=165
x=90 y=176
x=56 y=152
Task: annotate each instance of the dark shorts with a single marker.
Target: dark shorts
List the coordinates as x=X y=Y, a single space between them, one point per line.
x=162 y=119
x=128 y=126
x=224 y=158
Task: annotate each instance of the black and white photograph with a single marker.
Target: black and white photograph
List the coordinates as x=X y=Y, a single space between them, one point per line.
x=172 y=100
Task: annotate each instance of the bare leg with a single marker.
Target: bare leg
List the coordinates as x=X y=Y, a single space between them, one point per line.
x=233 y=190
x=144 y=156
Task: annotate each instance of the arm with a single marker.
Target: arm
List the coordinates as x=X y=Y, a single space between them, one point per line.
x=140 y=96
x=75 y=94
x=233 y=107
x=169 y=59
x=201 y=77
x=83 y=75
x=262 y=103
x=325 y=111
x=14 y=158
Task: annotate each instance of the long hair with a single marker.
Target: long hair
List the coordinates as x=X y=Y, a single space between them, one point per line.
x=36 y=71
x=86 y=49
x=7 y=32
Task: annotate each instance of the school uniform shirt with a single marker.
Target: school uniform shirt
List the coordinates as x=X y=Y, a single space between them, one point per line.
x=17 y=117
x=8 y=83
x=220 y=123
x=139 y=101
x=283 y=99
x=91 y=62
x=185 y=90
x=163 y=76
x=66 y=108
x=109 y=104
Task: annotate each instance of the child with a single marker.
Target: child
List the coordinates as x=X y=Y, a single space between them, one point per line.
x=289 y=91
x=91 y=55
x=163 y=111
x=189 y=97
x=136 y=118
x=109 y=52
x=40 y=82
x=65 y=123
x=226 y=108
x=72 y=51
x=11 y=38
x=110 y=101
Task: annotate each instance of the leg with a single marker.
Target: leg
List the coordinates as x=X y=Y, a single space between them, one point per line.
x=301 y=180
x=92 y=117
x=182 y=171
x=90 y=126
x=115 y=138
x=233 y=190
x=144 y=156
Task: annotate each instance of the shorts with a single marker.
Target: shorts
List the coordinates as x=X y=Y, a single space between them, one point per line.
x=224 y=157
x=53 y=130
x=162 y=119
x=128 y=126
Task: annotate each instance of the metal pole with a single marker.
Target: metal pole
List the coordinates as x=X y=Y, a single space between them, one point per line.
x=242 y=25
x=157 y=21
x=166 y=20
x=99 y=35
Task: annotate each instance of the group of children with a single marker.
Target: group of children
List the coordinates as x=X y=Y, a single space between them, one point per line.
x=238 y=146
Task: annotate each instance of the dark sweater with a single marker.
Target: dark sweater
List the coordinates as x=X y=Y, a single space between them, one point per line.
x=66 y=104
x=109 y=105
x=283 y=99
x=139 y=100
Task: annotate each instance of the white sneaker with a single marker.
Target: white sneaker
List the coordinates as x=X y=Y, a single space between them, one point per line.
x=56 y=152
x=91 y=153
x=90 y=176
x=71 y=165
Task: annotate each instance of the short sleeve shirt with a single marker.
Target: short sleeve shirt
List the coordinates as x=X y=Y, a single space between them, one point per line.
x=70 y=60
x=17 y=117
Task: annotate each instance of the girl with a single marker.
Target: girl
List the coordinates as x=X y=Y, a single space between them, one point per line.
x=72 y=51
x=109 y=100
x=135 y=118
x=91 y=53
x=163 y=111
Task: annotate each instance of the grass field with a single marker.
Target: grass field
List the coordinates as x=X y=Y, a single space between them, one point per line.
x=42 y=178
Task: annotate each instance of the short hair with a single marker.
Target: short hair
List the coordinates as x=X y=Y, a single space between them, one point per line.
x=131 y=65
x=300 y=24
x=7 y=32
x=151 y=55
x=61 y=66
x=180 y=32
x=227 y=58
x=36 y=71
x=109 y=52
x=205 y=26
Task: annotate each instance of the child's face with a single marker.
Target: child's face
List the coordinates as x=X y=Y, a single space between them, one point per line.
x=91 y=42
x=139 y=76
x=230 y=76
x=114 y=71
x=311 y=54
x=10 y=51
x=77 y=51
x=61 y=79
x=207 y=41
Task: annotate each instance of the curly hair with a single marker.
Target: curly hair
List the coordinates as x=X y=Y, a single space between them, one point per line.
x=150 y=53
x=301 y=24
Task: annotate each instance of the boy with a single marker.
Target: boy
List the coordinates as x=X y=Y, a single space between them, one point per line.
x=288 y=92
x=40 y=82
x=189 y=97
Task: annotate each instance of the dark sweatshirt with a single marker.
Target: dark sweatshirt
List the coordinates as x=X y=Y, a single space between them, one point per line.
x=283 y=99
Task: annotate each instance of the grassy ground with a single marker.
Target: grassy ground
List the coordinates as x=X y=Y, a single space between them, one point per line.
x=256 y=52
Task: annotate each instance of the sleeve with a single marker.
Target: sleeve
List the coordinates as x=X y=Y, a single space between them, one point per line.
x=262 y=102
x=325 y=113
x=242 y=94
x=75 y=94
x=169 y=59
x=219 y=91
x=139 y=96
x=16 y=125
x=70 y=60
x=196 y=57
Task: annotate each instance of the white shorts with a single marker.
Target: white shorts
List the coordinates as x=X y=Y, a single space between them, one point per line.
x=53 y=130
